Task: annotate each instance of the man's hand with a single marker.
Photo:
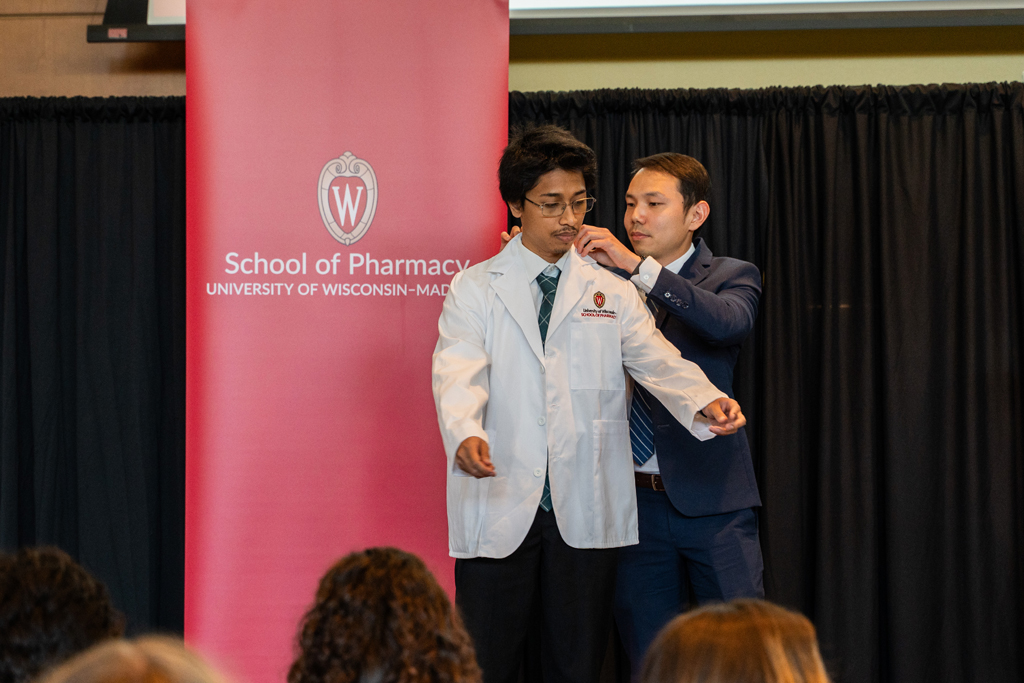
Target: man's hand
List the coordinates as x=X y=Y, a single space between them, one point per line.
x=601 y=245
x=506 y=237
x=725 y=415
x=473 y=457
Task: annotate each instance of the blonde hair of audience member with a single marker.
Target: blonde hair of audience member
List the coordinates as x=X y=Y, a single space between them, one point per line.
x=380 y=617
x=150 y=659
x=743 y=641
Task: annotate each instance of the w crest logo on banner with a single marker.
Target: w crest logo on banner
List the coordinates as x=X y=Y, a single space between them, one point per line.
x=348 y=197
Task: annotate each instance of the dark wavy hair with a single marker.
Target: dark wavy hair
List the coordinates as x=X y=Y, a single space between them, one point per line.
x=380 y=615
x=532 y=152
x=50 y=609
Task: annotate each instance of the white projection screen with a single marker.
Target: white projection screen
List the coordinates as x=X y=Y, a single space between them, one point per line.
x=625 y=16
x=166 y=12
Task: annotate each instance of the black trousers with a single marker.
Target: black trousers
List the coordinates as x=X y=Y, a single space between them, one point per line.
x=573 y=589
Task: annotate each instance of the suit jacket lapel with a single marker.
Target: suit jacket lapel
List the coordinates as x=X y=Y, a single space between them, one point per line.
x=697 y=270
x=514 y=291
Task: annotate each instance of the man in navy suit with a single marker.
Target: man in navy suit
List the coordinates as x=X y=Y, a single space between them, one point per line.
x=696 y=500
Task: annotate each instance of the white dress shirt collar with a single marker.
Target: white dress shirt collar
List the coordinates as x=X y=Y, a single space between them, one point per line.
x=534 y=265
x=678 y=264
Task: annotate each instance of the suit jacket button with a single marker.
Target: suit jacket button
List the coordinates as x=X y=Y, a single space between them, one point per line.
x=686 y=305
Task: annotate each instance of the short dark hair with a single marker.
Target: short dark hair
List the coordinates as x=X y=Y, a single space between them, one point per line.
x=532 y=152
x=693 y=179
x=380 y=614
x=50 y=609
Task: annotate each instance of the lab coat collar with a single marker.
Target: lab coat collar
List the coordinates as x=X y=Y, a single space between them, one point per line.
x=513 y=289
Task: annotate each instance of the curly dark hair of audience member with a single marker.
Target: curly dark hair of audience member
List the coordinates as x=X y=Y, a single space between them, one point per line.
x=743 y=641
x=150 y=659
x=50 y=609
x=380 y=616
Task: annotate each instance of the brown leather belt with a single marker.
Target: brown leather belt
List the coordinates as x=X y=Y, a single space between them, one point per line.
x=649 y=481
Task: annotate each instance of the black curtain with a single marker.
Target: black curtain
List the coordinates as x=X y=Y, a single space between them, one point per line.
x=92 y=341
x=883 y=381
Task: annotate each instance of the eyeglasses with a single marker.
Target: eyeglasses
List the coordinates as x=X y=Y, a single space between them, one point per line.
x=556 y=209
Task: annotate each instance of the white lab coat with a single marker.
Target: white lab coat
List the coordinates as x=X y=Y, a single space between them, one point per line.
x=562 y=407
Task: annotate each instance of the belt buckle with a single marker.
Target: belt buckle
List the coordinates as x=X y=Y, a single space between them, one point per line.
x=650 y=481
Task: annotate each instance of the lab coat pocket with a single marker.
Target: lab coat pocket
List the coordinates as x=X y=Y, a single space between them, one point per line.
x=611 y=439
x=613 y=462
x=596 y=357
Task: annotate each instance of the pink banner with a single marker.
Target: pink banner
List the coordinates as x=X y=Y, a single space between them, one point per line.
x=342 y=167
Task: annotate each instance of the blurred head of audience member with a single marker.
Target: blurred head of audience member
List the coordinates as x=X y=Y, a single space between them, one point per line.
x=50 y=609
x=743 y=641
x=151 y=659
x=380 y=616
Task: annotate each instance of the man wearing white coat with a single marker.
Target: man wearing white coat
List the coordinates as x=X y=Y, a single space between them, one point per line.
x=531 y=394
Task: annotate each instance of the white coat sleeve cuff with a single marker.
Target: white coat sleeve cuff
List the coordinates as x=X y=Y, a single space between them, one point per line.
x=648 y=275
x=701 y=428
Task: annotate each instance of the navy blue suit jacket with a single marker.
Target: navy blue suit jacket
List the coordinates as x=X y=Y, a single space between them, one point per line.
x=706 y=311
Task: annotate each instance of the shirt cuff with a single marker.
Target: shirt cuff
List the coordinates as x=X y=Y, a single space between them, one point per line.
x=701 y=428
x=649 y=270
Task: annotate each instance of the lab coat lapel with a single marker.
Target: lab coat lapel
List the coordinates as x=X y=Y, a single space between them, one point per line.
x=572 y=284
x=514 y=291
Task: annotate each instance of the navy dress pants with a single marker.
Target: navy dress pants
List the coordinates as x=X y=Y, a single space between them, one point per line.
x=713 y=558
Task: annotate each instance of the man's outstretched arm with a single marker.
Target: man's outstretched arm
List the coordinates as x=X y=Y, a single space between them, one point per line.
x=460 y=384
x=680 y=385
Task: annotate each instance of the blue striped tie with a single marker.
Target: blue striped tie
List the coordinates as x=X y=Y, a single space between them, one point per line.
x=548 y=285
x=641 y=426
